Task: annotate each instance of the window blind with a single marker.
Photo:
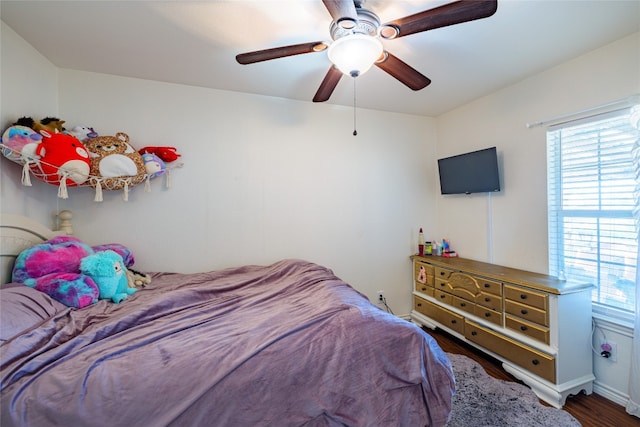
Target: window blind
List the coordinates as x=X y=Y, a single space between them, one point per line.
x=591 y=183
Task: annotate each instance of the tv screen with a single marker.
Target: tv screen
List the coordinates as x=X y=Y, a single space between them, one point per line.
x=475 y=172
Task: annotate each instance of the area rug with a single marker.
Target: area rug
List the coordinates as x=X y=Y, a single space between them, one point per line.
x=483 y=401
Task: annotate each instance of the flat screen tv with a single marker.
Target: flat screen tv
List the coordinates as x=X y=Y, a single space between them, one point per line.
x=474 y=172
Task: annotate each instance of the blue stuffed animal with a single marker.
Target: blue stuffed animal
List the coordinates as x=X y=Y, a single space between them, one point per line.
x=108 y=271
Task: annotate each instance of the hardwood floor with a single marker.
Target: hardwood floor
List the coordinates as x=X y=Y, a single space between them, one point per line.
x=591 y=411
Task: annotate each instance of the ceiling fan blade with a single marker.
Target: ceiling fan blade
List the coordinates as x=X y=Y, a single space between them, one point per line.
x=403 y=72
x=343 y=12
x=442 y=16
x=280 y=52
x=328 y=84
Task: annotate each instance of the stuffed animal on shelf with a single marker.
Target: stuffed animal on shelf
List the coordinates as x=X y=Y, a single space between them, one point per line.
x=20 y=143
x=62 y=157
x=83 y=133
x=108 y=271
x=49 y=124
x=153 y=164
x=114 y=162
x=167 y=154
x=55 y=267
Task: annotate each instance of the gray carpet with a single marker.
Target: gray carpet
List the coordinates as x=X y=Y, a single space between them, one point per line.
x=484 y=401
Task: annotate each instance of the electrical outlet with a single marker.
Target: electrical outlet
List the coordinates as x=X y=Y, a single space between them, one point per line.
x=380 y=296
x=609 y=350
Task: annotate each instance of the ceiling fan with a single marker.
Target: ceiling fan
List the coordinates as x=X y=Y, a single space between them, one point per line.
x=356 y=46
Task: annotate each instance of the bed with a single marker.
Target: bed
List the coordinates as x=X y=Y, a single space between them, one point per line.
x=288 y=344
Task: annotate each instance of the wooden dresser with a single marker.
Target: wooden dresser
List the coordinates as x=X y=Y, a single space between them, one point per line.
x=537 y=325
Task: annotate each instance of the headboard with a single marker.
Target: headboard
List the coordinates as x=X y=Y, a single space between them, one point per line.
x=18 y=233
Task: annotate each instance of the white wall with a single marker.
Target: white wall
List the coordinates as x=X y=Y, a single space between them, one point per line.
x=516 y=218
x=263 y=178
x=28 y=86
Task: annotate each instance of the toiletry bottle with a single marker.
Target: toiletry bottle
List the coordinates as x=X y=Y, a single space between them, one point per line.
x=420 y=243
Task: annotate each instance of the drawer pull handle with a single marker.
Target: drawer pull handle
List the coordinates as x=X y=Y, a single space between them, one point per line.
x=454 y=321
x=487 y=314
x=523 y=311
x=535 y=362
x=474 y=333
x=463 y=304
x=523 y=296
x=523 y=328
x=424 y=289
x=443 y=296
x=486 y=285
x=442 y=273
x=419 y=304
x=487 y=299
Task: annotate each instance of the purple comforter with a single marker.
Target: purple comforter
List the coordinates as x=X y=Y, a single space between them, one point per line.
x=285 y=345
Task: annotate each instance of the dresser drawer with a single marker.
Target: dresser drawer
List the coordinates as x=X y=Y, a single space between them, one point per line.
x=526 y=312
x=429 y=292
x=488 y=315
x=425 y=289
x=442 y=297
x=442 y=273
x=527 y=296
x=490 y=300
x=463 y=304
x=531 y=330
x=443 y=285
x=490 y=286
x=422 y=274
x=530 y=359
x=439 y=314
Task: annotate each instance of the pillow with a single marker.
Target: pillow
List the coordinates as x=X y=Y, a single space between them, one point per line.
x=23 y=308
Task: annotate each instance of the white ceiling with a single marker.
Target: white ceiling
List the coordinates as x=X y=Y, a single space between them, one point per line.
x=195 y=43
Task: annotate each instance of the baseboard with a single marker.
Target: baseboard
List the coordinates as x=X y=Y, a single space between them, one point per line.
x=610 y=393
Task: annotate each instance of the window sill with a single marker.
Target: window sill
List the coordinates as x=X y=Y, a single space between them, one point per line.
x=613 y=317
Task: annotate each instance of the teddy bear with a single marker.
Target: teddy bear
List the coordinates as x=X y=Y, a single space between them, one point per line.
x=114 y=162
x=74 y=273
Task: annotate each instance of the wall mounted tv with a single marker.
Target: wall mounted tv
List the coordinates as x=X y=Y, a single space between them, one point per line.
x=474 y=172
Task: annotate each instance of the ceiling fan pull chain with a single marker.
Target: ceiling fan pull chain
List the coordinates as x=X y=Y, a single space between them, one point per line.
x=355 y=132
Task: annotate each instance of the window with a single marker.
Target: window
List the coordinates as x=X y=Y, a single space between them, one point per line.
x=591 y=184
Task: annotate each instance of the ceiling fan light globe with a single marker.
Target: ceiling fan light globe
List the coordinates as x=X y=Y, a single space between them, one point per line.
x=355 y=54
